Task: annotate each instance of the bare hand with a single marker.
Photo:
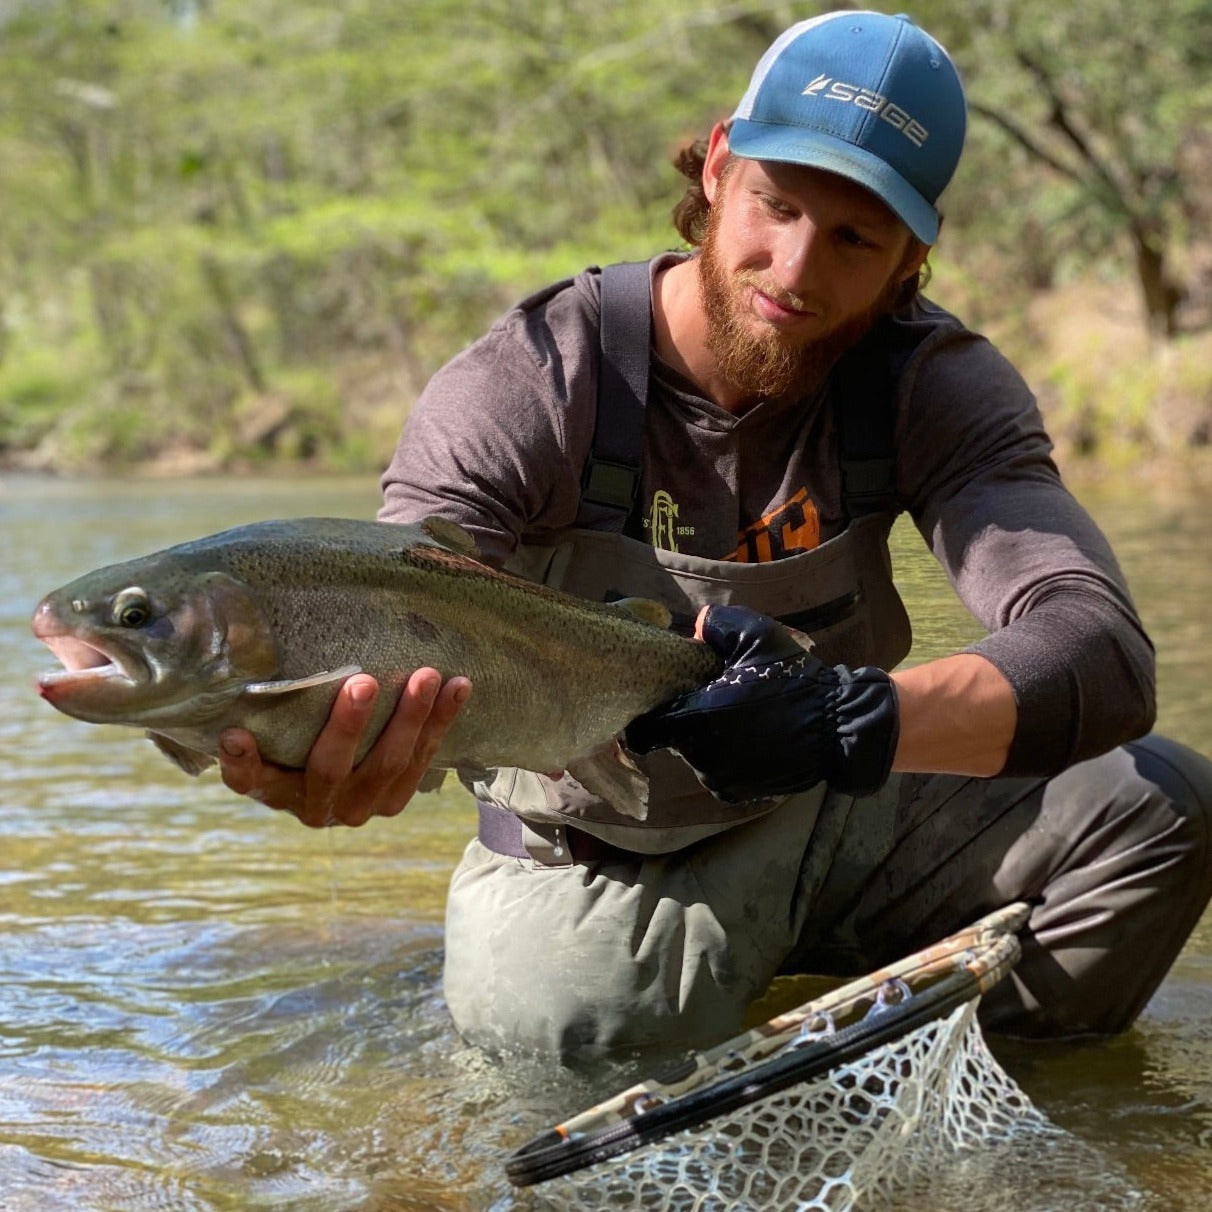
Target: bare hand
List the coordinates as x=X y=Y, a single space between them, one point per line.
x=331 y=790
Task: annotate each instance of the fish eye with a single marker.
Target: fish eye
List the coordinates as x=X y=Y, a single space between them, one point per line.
x=131 y=608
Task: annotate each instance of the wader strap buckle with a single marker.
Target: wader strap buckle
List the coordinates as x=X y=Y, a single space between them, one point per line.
x=549 y=845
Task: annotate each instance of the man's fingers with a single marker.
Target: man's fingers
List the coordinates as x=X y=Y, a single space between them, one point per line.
x=446 y=707
x=746 y=637
x=239 y=762
x=402 y=754
x=394 y=749
x=310 y=795
x=332 y=755
x=420 y=721
x=331 y=790
x=389 y=774
x=246 y=774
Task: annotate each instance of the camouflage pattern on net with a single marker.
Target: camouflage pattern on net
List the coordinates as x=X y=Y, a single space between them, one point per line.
x=987 y=949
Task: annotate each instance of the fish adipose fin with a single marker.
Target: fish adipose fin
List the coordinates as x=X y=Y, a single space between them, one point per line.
x=612 y=776
x=290 y=685
x=450 y=534
x=192 y=761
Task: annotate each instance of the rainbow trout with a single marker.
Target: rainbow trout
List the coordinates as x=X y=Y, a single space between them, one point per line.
x=258 y=627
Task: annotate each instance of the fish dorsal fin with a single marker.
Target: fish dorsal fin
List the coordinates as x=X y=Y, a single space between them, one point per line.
x=451 y=535
x=290 y=685
x=645 y=609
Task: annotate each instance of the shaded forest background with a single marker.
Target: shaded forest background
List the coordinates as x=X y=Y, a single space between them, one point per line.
x=244 y=233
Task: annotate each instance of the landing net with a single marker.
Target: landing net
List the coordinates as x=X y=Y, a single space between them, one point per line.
x=861 y=1093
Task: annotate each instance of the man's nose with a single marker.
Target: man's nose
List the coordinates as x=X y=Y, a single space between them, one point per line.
x=796 y=255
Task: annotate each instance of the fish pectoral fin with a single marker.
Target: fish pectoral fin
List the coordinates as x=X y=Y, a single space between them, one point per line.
x=612 y=776
x=646 y=610
x=192 y=761
x=289 y=685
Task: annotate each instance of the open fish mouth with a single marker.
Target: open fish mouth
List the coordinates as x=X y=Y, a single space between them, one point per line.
x=82 y=662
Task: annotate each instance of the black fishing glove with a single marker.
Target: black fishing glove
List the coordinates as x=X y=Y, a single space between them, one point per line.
x=776 y=720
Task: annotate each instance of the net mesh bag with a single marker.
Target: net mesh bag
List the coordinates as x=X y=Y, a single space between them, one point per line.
x=861 y=1094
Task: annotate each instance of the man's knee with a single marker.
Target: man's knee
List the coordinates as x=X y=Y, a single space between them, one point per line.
x=1129 y=886
x=1180 y=779
x=1184 y=775
x=1148 y=803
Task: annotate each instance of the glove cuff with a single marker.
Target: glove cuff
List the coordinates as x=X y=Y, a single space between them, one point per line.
x=866 y=726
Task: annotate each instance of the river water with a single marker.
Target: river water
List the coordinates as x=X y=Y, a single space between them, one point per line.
x=205 y=1006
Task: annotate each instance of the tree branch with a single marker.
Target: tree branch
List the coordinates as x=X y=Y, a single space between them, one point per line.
x=1033 y=148
x=1059 y=117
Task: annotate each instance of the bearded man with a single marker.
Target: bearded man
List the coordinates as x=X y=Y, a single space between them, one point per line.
x=735 y=428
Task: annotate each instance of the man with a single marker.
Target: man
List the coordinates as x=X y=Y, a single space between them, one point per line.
x=799 y=394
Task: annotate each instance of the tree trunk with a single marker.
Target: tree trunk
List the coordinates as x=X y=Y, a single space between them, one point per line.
x=238 y=338
x=1160 y=292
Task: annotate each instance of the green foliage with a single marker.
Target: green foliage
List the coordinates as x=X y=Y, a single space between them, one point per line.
x=1093 y=128
x=253 y=229
x=33 y=389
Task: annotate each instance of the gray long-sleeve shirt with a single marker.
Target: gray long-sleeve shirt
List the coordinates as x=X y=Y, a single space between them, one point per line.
x=498 y=440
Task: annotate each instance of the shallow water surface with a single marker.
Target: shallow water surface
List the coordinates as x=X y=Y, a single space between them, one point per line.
x=205 y=1006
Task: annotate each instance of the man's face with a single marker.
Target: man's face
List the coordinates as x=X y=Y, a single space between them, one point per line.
x=796 y=264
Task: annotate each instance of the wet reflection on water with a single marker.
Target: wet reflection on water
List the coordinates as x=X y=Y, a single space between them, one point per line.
x=205 y=1006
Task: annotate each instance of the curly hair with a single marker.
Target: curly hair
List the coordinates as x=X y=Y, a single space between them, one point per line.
x=690 y=214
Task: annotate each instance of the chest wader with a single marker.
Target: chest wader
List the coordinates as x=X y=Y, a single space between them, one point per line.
x=840 y=594
x=571 y=929
x=670 y=929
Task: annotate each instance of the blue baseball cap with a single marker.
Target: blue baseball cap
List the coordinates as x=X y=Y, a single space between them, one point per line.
x=867 y=96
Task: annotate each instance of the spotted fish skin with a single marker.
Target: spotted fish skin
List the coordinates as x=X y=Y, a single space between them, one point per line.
x=258 y=626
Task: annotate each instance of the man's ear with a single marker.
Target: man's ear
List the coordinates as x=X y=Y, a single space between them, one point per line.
x=916 y=254
x=716 y=158
x=915 y=258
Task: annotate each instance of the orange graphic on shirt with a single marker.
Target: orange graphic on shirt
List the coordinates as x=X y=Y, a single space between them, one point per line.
x=793 y=526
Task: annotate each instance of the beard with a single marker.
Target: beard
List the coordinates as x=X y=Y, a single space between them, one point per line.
x=769 y=364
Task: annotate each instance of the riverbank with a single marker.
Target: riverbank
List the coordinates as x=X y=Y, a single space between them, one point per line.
x=1111 y=399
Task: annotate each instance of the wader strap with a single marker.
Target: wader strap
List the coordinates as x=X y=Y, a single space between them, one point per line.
x=551 y=845
x=611 y=482
x=863 y=390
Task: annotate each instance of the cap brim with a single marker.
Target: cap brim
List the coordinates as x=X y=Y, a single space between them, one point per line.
x=796 y=145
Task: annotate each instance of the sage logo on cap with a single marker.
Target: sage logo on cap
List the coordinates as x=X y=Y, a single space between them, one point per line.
x=864 y=98
x=865 y=95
